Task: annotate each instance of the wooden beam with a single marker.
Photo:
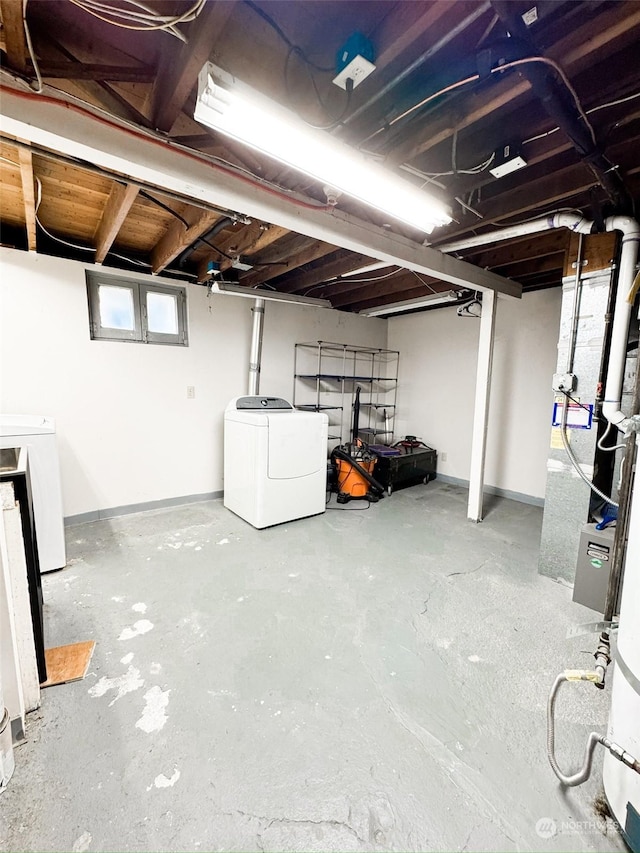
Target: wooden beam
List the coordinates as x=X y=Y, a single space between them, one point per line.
x=14 y=37
x=317 y=249
x=525 y=248
x=252 y=239
x=178 y=237
x=28 y=195
x=93 y=71
x=115 y=212
x=53 y=125
x=396 y=296
x=361 y=289
x=404 y=26
x=546 y=263
x=341 y=262
x=395 y=285
x=179 y=69
x=574 y=52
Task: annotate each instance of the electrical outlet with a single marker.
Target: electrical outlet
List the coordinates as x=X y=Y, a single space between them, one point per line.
x=443 y=456
x=357 y=70
x=191 y=392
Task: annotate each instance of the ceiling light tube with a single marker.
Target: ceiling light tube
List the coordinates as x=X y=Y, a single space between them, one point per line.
x=236 y=110
x=412 y=304
x=381 y=265
x=228 y=289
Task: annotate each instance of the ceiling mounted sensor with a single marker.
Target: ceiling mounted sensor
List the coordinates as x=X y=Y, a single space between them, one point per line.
x=411 y=304
x=508 y=159
x=228 y=289
x=236 y=110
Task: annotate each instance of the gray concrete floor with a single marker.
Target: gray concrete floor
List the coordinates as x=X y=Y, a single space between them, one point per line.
x=362 y=680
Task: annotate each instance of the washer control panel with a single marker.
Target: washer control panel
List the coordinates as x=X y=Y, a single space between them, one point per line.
x=262 y=403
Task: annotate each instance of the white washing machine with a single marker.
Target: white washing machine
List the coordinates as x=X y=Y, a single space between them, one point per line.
x=38 y=434
x=275 y=460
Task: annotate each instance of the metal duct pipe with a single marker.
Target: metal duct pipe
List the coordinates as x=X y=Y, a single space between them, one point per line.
x=220 y=225
x=255 y=354
x=622 y=311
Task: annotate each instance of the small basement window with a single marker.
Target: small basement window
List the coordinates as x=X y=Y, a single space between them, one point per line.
x=124 y=310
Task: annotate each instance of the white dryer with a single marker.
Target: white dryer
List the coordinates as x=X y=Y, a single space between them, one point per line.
x=275 y=460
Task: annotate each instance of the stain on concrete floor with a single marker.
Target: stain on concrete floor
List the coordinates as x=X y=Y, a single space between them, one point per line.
x=371 y=680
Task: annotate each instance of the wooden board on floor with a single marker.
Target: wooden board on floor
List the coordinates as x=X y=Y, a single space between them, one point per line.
x=68 y=663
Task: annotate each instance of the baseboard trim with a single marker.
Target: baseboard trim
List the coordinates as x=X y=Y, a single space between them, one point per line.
x=494 y=490
x=129 y=509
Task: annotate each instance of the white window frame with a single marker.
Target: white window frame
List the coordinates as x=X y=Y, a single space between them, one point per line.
x=138 y=289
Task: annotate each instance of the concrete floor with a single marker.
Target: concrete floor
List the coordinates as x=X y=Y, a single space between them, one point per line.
x=363 y=680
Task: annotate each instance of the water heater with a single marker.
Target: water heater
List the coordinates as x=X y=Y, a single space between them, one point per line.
x=621 y=783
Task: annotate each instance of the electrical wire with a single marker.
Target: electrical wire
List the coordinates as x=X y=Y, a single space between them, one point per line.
x=349 y=278
x=589 y=112
x=577 y=402
x=608 y=448
x=496 y=70
x=422 y=281
x=280 y=32
x=32 y=54
x=75 y=245
x=560 y=72
x=574 y=461
x=146 y=21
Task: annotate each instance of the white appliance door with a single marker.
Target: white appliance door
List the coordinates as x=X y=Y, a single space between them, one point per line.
x=296 y=445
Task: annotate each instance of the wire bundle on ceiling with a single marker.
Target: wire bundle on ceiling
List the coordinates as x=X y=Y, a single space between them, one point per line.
x=134 y=15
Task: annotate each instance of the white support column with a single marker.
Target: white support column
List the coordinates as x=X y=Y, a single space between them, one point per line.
x=481 y=411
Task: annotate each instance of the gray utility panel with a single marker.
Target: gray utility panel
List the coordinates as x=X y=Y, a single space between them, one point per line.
x=595 y=552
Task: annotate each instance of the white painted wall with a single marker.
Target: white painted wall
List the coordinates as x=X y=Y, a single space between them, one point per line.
x=127 y=432
x=438 y=358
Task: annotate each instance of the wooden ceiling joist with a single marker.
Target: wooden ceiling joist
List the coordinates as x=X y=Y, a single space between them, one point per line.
x=180 y=68
x=572 y=51
x=312 y=251
x=342 y=262
x=115 y=212
x=178 y=237
x=93 y=71
x=14 y=36
x=28 y=194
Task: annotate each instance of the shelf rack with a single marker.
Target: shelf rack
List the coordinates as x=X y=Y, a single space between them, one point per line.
x=326 y=375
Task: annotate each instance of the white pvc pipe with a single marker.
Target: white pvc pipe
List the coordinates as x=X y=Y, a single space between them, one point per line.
x=573 y=221
x=255 y=354
x=621 y=316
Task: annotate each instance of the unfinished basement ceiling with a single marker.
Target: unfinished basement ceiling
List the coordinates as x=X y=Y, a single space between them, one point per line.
x=148 y=80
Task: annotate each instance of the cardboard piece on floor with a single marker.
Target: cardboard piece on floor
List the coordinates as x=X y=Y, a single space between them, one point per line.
x=68 y=663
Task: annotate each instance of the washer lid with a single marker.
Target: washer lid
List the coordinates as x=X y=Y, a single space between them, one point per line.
x=259 y=403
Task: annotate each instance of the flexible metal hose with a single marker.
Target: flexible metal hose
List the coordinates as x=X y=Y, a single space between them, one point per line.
x=593 y=740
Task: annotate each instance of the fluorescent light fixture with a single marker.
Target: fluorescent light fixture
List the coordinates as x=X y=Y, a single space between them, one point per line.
x=236 y=110
x=229 y=289
x=378 y=266
x=411 y=304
